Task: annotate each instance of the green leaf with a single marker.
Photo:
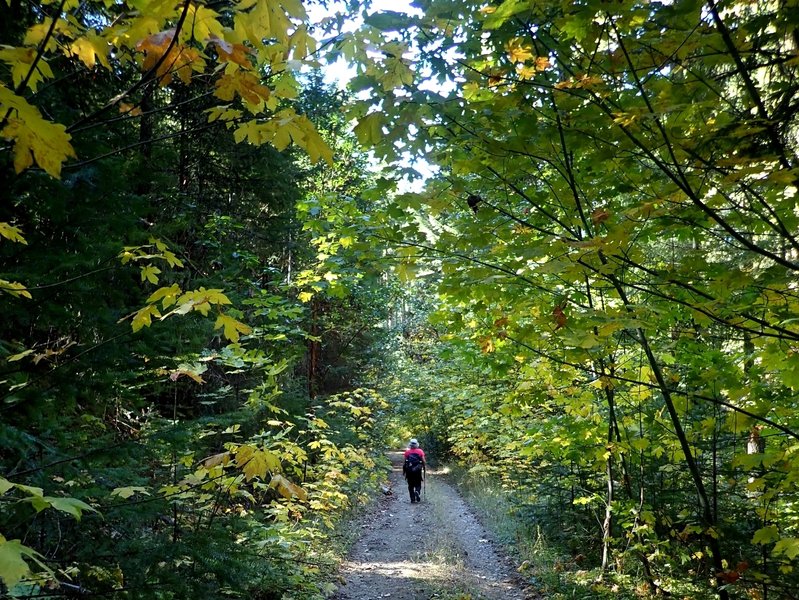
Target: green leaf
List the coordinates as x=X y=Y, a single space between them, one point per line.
x=127 y=492
x=388 y=20
x=788 y=547
x=766 y=535
x=5 y=485
x=12 y=567
x=495 y=18
x=71 y=506
x=369 y=129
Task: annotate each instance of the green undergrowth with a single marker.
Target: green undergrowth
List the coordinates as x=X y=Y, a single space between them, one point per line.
x=549 y=562
x=249 y=504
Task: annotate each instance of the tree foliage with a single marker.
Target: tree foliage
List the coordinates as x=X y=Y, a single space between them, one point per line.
x=614 y=224
x=158 y=436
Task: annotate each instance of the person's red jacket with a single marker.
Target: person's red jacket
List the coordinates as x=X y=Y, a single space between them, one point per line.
x=418 y=451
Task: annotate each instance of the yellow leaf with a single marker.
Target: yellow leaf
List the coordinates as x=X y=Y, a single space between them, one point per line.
x=294 y=8
x=301 y=43
x=517 y=51
x=173 y=260
x=286 y=87
x=167 y=294
x=150 y=273
x=305 y=296
x=90 y=49
x=135 y=30
x=180 y=59
x=268 y=20
x=232 y=327
x=287 y=489
x=12 y=233
x=202 y=24
x=144 y=317
x=129 y=109
x=223 y=113
x=35 y=139
x=255 y=462
x=36 y=33
x=191 y=371
x=201 y=301
x=21 y=61
x=247 y=86
x=14 y=288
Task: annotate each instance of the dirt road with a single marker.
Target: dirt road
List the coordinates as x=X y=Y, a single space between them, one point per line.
x=435 y=549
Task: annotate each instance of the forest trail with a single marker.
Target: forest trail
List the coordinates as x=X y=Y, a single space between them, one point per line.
x=434 y=549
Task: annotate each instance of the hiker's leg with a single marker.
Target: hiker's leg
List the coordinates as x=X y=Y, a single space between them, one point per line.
x=411 y=488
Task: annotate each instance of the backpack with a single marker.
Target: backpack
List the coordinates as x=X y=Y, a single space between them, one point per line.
x=413 y=464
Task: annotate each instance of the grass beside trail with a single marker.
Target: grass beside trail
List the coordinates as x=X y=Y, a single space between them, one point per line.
x=548 y=564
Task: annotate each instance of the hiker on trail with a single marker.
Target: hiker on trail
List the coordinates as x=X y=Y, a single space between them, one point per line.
x=414 y=469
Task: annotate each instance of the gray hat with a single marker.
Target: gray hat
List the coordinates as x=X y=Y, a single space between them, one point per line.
x=414 y=443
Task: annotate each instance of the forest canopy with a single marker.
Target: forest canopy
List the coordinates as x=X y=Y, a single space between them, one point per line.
x=221 y=293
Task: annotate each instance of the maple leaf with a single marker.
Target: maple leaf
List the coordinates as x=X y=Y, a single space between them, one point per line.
x=517 y=51
x=247 y=86
x=203 y=23
x=180 y=59
x=14 y=568
x=302 y=44
x=171 y=259
x=127 y=492
x=600 y=215
x=12 y=233
x=167 y=294
x=36 y=140
x=200 y=300
x=129 y=109
x=287 y=489
x=22 y=61
x=14 y=288
x=144 y=317
x=369 y=129
x=268 y=20
x=90 y=49
x=37 y=33
x=154 y=46
x=194 y=372
x=233 y=53
x=131 y=33
x=223 y=113
x=223 y=458
x=232 y=327
x=255 y=462
x=150 y=273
